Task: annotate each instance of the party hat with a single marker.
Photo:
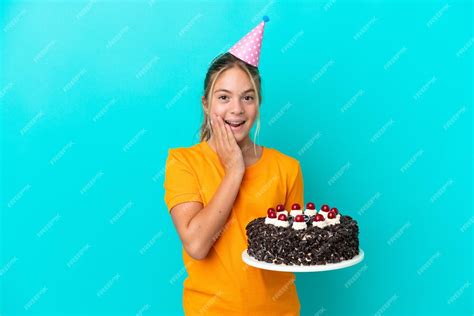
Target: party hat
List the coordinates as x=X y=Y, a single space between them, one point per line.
x=248 y=48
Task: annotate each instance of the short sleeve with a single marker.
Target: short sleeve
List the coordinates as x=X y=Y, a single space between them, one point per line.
x=180 y=182
x=295 y=193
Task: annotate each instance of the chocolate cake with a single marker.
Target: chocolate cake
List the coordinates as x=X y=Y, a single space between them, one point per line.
x=302 y=237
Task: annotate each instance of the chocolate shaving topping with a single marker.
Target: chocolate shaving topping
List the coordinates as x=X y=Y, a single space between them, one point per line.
x=310 y=246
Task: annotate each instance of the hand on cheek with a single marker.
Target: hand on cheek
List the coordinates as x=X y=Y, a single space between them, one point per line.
x=227 y=148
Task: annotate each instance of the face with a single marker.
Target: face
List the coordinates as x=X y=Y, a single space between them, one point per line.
x=234 y=99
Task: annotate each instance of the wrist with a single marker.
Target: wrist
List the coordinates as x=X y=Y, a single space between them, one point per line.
x=235 y=173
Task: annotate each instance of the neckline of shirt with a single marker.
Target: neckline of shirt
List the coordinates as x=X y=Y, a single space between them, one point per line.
x=249 y=170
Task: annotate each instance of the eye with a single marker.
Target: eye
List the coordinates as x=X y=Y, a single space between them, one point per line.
x=223 y=97
x=248 y=98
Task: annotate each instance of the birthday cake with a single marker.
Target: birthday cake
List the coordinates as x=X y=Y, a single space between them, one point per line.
x=303 y=237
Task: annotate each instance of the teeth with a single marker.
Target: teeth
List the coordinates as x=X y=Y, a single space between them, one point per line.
x=235 y=122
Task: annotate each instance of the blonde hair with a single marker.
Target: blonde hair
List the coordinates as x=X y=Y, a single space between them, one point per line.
x=218 y=66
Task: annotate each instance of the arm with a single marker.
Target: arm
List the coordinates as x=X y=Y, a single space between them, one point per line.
x=199 y=227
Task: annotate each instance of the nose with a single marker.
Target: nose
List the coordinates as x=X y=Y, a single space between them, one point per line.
x=237 y=107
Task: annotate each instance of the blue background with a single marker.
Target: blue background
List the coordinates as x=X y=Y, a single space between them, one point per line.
x=373 y=97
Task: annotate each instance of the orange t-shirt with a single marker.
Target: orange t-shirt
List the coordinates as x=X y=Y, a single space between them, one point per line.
x=221 y=283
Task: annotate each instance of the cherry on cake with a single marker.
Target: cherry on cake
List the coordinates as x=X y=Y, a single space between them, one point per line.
x=280 y=208
x=296 y=210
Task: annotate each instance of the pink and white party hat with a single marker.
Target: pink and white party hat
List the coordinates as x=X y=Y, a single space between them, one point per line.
x=248 y=48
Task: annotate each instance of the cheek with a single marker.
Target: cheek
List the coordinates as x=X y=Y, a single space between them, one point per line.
x=252 y=114
x=217 y=109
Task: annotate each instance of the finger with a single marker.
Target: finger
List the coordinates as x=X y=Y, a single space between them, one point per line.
x=233 y=146
x=228 y=144
x=215 y=126
x=222 y=126
x=212 y=120
x=221 y=137
x=230 y=136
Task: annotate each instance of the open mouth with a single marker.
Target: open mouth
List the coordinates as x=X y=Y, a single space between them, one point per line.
x=235 y=123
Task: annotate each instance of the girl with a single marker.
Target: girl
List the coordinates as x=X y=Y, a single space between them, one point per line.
x=216 y=187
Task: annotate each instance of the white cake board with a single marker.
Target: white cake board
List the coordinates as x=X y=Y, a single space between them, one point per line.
x=294 y=268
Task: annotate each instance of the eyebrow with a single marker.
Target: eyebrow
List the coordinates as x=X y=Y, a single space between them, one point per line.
x=225 y=90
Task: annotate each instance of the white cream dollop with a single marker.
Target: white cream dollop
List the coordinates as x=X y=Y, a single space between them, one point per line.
x=309 y=212
x=325 y=214
x=320 y=224
x=328 y=221
x=283 y=212
x=299 y=225
x=270 y=221
x=282 y=223
x=334 y=221
x=296 y=212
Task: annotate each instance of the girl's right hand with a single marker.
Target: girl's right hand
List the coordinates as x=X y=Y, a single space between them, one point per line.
x=228 y=150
